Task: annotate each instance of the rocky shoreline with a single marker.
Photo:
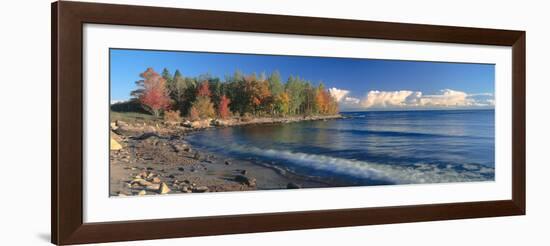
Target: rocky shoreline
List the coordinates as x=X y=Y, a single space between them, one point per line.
x=148 y=159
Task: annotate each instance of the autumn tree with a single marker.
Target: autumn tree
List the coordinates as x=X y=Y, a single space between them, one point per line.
x=223 y=108
x=203 y=105
x=153 y=95
x=203 y=89
x=321 y=99
x=259 y=94
x=281 y=104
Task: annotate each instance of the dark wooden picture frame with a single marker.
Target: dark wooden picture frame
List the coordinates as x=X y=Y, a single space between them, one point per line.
x=67 y=122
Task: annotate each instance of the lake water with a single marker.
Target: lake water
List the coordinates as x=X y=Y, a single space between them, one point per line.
x=369 y=148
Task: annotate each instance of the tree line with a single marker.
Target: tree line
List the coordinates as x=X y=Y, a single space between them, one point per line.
x=206 y=96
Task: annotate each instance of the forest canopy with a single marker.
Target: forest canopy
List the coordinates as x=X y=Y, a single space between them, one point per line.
x=239 y=94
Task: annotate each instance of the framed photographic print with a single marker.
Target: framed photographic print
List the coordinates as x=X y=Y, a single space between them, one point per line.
x=174 y=122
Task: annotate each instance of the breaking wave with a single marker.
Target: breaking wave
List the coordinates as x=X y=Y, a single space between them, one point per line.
x=418 y=173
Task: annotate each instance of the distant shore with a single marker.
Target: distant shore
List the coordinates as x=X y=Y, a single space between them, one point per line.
x=150 y=157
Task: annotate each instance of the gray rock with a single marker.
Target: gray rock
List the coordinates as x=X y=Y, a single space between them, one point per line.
x=200 y=189
x=180 y=147
x=123 y=130
x=147 y=135
x=250 y=181
x=186 y=124
x=120 y=123
x=227 y=162
x=153 y=187
x=141 y=182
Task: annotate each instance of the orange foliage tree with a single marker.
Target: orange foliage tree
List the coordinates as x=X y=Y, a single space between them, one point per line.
x=202 y=106
x=154 y=95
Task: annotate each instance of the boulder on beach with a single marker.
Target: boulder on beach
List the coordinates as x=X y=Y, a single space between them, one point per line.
x=180 y=147
x=186 y=123
x=197 y=155
x=141 y=182
x=147 y=135
x=221 y=122
x=201 y=189
x=115 y=145
x=120 y=123
x=201 y=123
x=164 y=188
x=123 y=130
x=113 y=126
x=250 y=181
x=156 y=180
x=134 y=130
x=153 y=187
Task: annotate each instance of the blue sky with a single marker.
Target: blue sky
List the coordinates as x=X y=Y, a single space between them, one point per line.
x=359 y=83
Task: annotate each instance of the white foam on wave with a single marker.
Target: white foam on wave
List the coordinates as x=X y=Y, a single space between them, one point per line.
x=399 y=174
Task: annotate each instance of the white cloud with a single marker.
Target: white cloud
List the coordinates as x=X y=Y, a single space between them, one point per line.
x=383 y=99
x=412 y=99
x=481 y=94
x=448 y=98
x=338 y=94
x=351 y=100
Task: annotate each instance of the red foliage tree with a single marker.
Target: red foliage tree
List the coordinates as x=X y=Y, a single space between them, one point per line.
x=223 y=109
x=154 y=97
x=203 y=90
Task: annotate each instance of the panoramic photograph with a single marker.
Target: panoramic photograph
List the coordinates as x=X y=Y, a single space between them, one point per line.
x=197 y=122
